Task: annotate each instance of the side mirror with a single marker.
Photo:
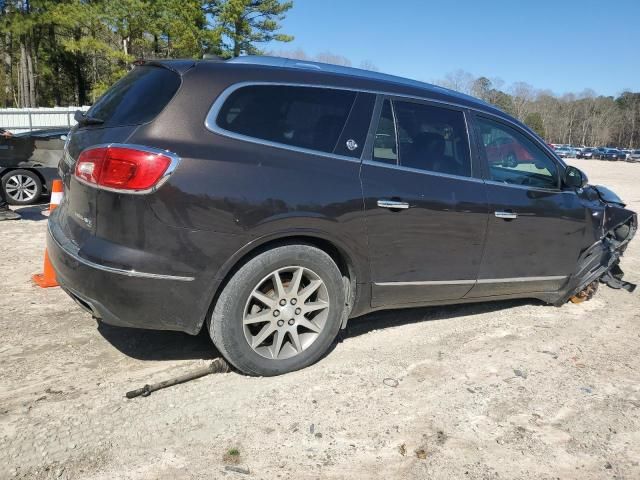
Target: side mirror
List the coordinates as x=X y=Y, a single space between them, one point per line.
x=574 y=177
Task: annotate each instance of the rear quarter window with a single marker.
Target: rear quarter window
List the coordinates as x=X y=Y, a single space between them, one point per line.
x=305 y=117
x=136 y=98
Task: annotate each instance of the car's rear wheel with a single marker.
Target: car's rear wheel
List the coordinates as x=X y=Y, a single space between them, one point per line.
x=21 y=187
x=280 y=312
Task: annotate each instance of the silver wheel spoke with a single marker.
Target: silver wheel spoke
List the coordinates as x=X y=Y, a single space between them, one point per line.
x=277 y=285
x=268 y=301
x=314 y=306
x=308 y=324
x=296 y=340
x=265 y=316
x=310 y=289
x=278 y=339
x=262 y=335
x=295 y=281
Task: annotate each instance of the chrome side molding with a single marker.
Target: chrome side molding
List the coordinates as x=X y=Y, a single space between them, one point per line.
x=393 y=204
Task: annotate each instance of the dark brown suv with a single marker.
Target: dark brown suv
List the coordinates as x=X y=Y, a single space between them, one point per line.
x=270 y=200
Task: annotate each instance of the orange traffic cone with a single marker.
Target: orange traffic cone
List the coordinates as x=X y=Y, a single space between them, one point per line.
x=47 y=278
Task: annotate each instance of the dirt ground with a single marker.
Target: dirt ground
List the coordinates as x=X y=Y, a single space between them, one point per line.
x=493 y=390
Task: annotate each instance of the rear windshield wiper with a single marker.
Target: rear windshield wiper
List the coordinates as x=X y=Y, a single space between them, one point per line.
x=84 y=119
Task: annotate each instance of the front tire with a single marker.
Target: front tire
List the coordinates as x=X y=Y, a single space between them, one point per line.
x=21 y=187
x=280 y=312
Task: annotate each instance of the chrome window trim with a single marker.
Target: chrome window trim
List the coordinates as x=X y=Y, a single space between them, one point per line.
x=527 y=187
x=212 y=115
x=375 y=163
x=175 y=161
x=117 y=271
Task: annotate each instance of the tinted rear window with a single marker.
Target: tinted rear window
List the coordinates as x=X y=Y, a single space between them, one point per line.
x=137 y=98
x=305 y=117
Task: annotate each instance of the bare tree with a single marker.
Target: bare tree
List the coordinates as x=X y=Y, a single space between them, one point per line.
x=369 y=65
x=459 y=80
x=332 y=58
x=522 y=94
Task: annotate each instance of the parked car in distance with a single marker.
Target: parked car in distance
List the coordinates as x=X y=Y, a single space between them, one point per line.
x=507 y=152
x=564 y=152
x=626 y=153
x=29 y=163
x=634 y=156
x=587 y=153
x=268 y=201
x=611 y=154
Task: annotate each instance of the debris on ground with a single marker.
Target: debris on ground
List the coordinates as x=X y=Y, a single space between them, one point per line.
x=219 y=365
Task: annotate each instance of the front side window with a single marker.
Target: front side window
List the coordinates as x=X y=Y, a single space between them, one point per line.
x=432 y=138
x=304 y=117
x=514 y=159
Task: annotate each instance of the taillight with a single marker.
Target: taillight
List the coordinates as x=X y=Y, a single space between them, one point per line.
x=127 y=168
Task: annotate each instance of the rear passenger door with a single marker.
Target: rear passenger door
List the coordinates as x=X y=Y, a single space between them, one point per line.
x=425 y=205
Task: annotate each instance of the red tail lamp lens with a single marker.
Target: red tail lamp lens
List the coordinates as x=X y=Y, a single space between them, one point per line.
x=122 y=168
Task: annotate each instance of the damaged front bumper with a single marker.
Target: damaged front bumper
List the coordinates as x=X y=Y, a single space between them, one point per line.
x=600 y=262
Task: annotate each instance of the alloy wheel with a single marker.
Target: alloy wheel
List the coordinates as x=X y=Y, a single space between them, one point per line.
x=21 y=188
x=286 y=312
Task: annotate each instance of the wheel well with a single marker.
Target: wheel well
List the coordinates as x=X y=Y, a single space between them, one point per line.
x=341 y=259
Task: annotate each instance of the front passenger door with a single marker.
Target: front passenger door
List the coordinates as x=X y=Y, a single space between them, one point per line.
x=536 y=228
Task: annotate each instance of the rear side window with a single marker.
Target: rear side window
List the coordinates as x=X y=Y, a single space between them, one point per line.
x=137 y=98
x=304 y=117
x=432 y=138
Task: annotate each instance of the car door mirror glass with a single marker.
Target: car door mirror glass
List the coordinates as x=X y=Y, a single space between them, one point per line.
x=574 y=177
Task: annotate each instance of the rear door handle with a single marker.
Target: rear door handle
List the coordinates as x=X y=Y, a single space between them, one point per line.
x=393 y=204
x=506 y=215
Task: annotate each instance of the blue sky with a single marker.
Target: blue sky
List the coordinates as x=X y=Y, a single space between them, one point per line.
x=545 y=43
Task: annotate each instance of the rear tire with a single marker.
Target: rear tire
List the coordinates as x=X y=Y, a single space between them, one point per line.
x=280 y=312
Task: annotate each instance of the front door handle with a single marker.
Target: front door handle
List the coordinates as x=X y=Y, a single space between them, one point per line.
x=393 y=204
x=506 y=215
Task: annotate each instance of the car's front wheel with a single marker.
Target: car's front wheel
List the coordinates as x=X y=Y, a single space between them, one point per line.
x=281 y=311
x=21 y=187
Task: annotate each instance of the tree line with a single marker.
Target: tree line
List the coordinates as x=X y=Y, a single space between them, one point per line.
x=583 y=119
x=68 y=52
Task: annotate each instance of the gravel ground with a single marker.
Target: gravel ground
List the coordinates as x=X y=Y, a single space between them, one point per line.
x=493 y=390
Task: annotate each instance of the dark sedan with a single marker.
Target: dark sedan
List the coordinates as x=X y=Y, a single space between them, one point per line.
x=29 y=163
x=587 y=153
x=611 y=154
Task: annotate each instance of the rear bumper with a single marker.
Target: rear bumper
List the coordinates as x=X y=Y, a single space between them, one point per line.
x=122 y=297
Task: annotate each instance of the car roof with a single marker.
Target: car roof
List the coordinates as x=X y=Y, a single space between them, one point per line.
x=383 y=78
x=302 y=71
